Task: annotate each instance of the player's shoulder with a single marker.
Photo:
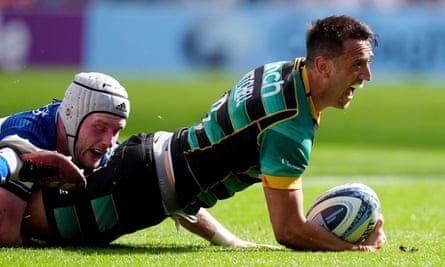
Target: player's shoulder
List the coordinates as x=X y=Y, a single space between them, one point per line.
x=295 y=63
x=38 y=125
x=47 y=110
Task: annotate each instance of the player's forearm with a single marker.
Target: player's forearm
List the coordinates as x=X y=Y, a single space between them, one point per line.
x=209 y=228
x=308 y=236
x=292 y=229
x=312 y=237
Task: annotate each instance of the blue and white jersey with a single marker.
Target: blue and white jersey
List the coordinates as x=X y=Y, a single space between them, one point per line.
x=36 y=126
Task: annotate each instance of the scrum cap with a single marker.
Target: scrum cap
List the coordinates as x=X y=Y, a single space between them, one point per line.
x=91 y=93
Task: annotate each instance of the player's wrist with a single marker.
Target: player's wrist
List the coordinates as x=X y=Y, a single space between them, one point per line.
x=222 y=237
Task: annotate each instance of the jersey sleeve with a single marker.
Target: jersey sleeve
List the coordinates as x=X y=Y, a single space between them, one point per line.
x=10 y=149
x=4 y=169
x=284 y=156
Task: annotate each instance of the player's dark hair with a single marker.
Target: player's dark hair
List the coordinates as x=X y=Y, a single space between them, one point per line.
x=326 y=36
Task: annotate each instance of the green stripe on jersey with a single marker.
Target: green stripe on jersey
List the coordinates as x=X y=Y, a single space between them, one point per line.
x=192 y=140
x=233 y=184
x=212 y=128
x=207 y=197
x=272 y=88
x=67 y=222
x=240 y=93
x=105 y=212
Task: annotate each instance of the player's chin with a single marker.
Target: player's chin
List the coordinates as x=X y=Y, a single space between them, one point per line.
x=343 y=105
x=92 y=161
x=346 y=105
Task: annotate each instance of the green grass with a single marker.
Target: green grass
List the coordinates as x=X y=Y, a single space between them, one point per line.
x=391 y=138
x=413 y=217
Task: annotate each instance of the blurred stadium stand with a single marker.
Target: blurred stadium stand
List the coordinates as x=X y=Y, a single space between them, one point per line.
x=351 y=3
x=155 y=36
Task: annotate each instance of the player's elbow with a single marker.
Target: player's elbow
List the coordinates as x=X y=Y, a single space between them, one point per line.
x=289 y=239
x=283 y=240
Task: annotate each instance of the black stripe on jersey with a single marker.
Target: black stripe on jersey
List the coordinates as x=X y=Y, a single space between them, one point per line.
x=185 y=184
x=220 y=161
x=220 y=191
x=289 y=89
x=275 y=118
x=202 y=138
x=254 y=110
x=223 y=118
x=87 y=219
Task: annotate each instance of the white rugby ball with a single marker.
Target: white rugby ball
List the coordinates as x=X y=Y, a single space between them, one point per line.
x=350 y=211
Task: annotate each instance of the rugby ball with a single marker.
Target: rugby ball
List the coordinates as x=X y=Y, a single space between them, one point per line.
x=350 y=211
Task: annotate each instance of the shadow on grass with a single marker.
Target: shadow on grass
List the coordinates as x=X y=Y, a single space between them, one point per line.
x=146 y=248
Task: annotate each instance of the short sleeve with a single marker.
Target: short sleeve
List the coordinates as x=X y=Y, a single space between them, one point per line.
x=284 y=154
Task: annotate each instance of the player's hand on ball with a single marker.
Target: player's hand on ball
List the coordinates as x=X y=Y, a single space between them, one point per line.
x=376 y=238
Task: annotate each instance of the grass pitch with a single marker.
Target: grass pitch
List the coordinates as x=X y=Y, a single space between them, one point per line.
x=391 y=138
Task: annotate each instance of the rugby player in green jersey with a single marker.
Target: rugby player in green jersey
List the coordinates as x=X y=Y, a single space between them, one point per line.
x=261 y=131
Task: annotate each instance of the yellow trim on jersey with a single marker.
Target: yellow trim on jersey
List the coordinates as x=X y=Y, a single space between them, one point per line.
x=280 y=182
x=307 y=89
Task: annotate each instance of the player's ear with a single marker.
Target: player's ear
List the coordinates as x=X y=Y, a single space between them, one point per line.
x=323 y=65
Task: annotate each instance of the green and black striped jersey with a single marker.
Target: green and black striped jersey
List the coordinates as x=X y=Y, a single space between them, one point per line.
x=262 y=129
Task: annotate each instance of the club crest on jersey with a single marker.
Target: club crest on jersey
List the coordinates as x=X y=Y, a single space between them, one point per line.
x=43 y=111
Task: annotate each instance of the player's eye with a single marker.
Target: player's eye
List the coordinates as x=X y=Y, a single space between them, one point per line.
x=99 y=129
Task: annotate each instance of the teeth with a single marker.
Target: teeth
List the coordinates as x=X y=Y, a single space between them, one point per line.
x=359 y=85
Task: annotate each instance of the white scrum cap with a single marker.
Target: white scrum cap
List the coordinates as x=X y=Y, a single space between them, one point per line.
x=89 y=93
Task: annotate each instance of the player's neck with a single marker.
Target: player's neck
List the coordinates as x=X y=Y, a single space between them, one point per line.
x=61 y=141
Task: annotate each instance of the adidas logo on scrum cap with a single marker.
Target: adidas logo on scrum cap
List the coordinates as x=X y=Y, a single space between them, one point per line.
x=122 y=107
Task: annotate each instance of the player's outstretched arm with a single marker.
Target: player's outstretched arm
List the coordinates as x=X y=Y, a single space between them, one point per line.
x=292 y=230
x=210 y=229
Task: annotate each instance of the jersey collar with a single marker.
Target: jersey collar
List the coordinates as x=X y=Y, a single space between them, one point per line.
x=307 y=90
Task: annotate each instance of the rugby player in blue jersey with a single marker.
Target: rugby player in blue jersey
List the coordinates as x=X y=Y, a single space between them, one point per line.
x=261 y=131
x=85 y=125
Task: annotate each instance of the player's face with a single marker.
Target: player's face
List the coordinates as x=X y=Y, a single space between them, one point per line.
x=97 y=134
x=350 y=71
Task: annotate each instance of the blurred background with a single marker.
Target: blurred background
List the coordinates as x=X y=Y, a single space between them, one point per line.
x=177 y=57
x=149 y=38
